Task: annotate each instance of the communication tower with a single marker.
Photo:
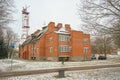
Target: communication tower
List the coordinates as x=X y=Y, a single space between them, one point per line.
x=25 y=24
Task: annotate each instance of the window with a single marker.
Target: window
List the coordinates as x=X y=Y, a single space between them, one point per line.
x=50 y=39
x=65 y=38
x=35 y=50
x=64 y=48
x=85 y=50
x=85 y=40
x=51 y=49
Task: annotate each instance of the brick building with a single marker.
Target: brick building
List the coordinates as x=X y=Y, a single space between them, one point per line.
x=55 y=42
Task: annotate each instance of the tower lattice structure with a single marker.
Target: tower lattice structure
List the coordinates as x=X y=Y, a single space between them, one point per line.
x=25 y=24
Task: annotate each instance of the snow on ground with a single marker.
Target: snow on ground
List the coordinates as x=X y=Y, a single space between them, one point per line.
x=7 y=63
x=31 y=65
x=96 y=74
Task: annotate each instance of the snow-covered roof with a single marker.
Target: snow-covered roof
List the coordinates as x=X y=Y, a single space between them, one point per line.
x=37 y=36
x=42 y=32
x=62 y=30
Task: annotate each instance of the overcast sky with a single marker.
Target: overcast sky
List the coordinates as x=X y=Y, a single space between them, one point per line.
x=44 y=11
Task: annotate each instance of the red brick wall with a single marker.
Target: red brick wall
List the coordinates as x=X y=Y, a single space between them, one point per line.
x=50 y=39
x=88 y=45
x=78 y=45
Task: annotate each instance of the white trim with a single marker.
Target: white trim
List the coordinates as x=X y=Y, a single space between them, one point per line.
x=85 y=50
x=64 y=48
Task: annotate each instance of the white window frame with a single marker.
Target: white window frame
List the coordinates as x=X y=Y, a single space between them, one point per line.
x=65 y=38
x=64 y=48
x=51 y=50
x=50 y=39
x=37 y=50
x=85 y=40
x=85 y=50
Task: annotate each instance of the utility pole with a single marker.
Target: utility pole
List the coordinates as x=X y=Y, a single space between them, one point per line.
x=12 y=46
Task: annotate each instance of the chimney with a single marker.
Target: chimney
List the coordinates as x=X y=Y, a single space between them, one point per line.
x=59 y=25
x=67 y=27
x=51 y=26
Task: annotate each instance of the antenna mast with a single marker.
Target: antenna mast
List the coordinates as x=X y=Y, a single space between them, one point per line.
x=25 y=24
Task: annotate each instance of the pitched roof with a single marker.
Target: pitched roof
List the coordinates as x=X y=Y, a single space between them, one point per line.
x=37 y=35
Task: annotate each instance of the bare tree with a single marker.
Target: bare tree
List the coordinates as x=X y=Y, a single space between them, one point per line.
x=6 y=11
x=102 y=45
x=9 y=40
x=1 y=34
x=101 y=17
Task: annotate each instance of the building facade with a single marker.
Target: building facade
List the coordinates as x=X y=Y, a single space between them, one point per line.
x=56 y=42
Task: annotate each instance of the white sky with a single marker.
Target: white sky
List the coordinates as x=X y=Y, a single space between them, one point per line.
x=44 y=11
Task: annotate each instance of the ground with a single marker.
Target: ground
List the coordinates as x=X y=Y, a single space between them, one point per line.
x=96 y=74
